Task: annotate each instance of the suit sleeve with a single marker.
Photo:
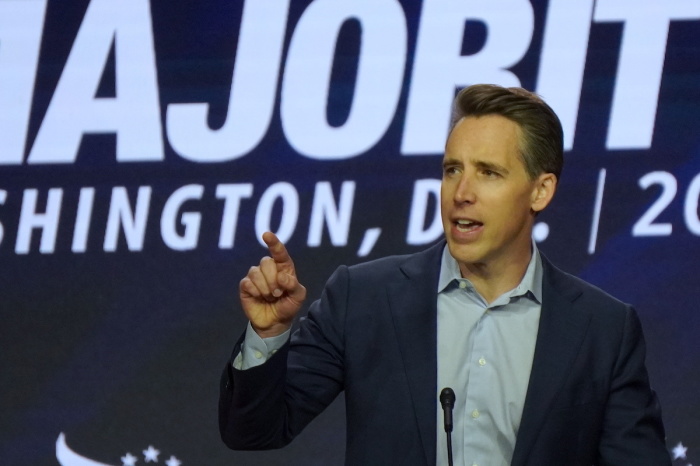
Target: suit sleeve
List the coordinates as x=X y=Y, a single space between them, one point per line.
x=266 y=406
x=632 y=432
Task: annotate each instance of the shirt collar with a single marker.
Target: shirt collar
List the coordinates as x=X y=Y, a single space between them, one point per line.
x=530 y=285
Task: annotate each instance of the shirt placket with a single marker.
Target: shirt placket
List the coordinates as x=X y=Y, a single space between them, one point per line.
x=476 y=407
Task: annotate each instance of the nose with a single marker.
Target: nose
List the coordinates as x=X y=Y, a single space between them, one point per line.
x=464 y=190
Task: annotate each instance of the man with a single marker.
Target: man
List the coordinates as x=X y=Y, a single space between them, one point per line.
x=547 y=369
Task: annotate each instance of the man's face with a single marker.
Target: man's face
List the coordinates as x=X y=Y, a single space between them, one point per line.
x=487 y=197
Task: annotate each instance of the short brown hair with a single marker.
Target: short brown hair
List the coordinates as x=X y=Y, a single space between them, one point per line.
x=542 y=141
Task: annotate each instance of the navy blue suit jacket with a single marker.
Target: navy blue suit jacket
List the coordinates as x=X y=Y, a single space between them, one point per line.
x=373 y=334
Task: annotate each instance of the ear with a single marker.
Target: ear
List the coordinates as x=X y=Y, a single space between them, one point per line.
x=543 y=191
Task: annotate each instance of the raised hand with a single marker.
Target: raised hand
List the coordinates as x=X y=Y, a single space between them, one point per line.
x=271 y=294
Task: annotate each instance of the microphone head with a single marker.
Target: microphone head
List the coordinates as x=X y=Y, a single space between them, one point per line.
x=447 y=397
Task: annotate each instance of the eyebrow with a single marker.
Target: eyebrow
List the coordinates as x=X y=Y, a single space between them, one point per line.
x=446 y=162
x=482 y=165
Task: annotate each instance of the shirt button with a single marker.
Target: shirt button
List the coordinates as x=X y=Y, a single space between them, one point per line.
x=475 y=413
x=258 y=355
x=463 y=285
x=482 y=362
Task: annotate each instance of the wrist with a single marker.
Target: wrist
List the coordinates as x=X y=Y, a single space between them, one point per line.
x=273 y=330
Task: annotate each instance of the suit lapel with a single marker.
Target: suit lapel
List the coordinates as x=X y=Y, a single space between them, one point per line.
x=413 y=301
x=559 y=337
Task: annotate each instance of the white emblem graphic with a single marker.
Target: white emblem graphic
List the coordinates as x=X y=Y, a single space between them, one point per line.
x=679 y=451
x=67 y=457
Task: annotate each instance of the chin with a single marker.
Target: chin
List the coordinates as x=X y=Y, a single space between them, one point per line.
x=464 y=253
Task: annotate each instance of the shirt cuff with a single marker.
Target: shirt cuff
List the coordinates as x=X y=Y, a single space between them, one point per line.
x=256 y=351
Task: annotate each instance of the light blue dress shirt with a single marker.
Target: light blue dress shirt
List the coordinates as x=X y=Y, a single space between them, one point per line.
x=485 y=354
x=256 y=350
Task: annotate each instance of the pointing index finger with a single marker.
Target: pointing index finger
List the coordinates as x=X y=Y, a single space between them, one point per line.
x=277 y=250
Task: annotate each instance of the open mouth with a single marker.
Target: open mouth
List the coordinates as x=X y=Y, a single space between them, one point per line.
x=467 y=225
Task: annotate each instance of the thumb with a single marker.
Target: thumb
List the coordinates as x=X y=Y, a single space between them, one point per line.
x=289 y=283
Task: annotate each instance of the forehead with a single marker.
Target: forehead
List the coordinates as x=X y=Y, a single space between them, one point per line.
x=489 y=136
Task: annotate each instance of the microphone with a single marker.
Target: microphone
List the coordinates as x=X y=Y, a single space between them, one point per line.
x=447 y=400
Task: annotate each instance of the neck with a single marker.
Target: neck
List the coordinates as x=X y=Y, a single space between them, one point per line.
x=493 y=278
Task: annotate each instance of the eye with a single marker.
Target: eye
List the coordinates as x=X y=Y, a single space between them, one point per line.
x=450 y=170
x=490 y=173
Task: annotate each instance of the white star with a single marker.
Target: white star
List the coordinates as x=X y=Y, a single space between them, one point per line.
x=679 y=451
x=151 y=454
x=129 y=460
x=173 y=462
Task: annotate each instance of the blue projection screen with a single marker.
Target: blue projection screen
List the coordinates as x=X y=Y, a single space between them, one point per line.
x=145 y=146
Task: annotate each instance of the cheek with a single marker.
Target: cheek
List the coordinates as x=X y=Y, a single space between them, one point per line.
x=444 y=188
x=507 y=208
x=445 y=196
